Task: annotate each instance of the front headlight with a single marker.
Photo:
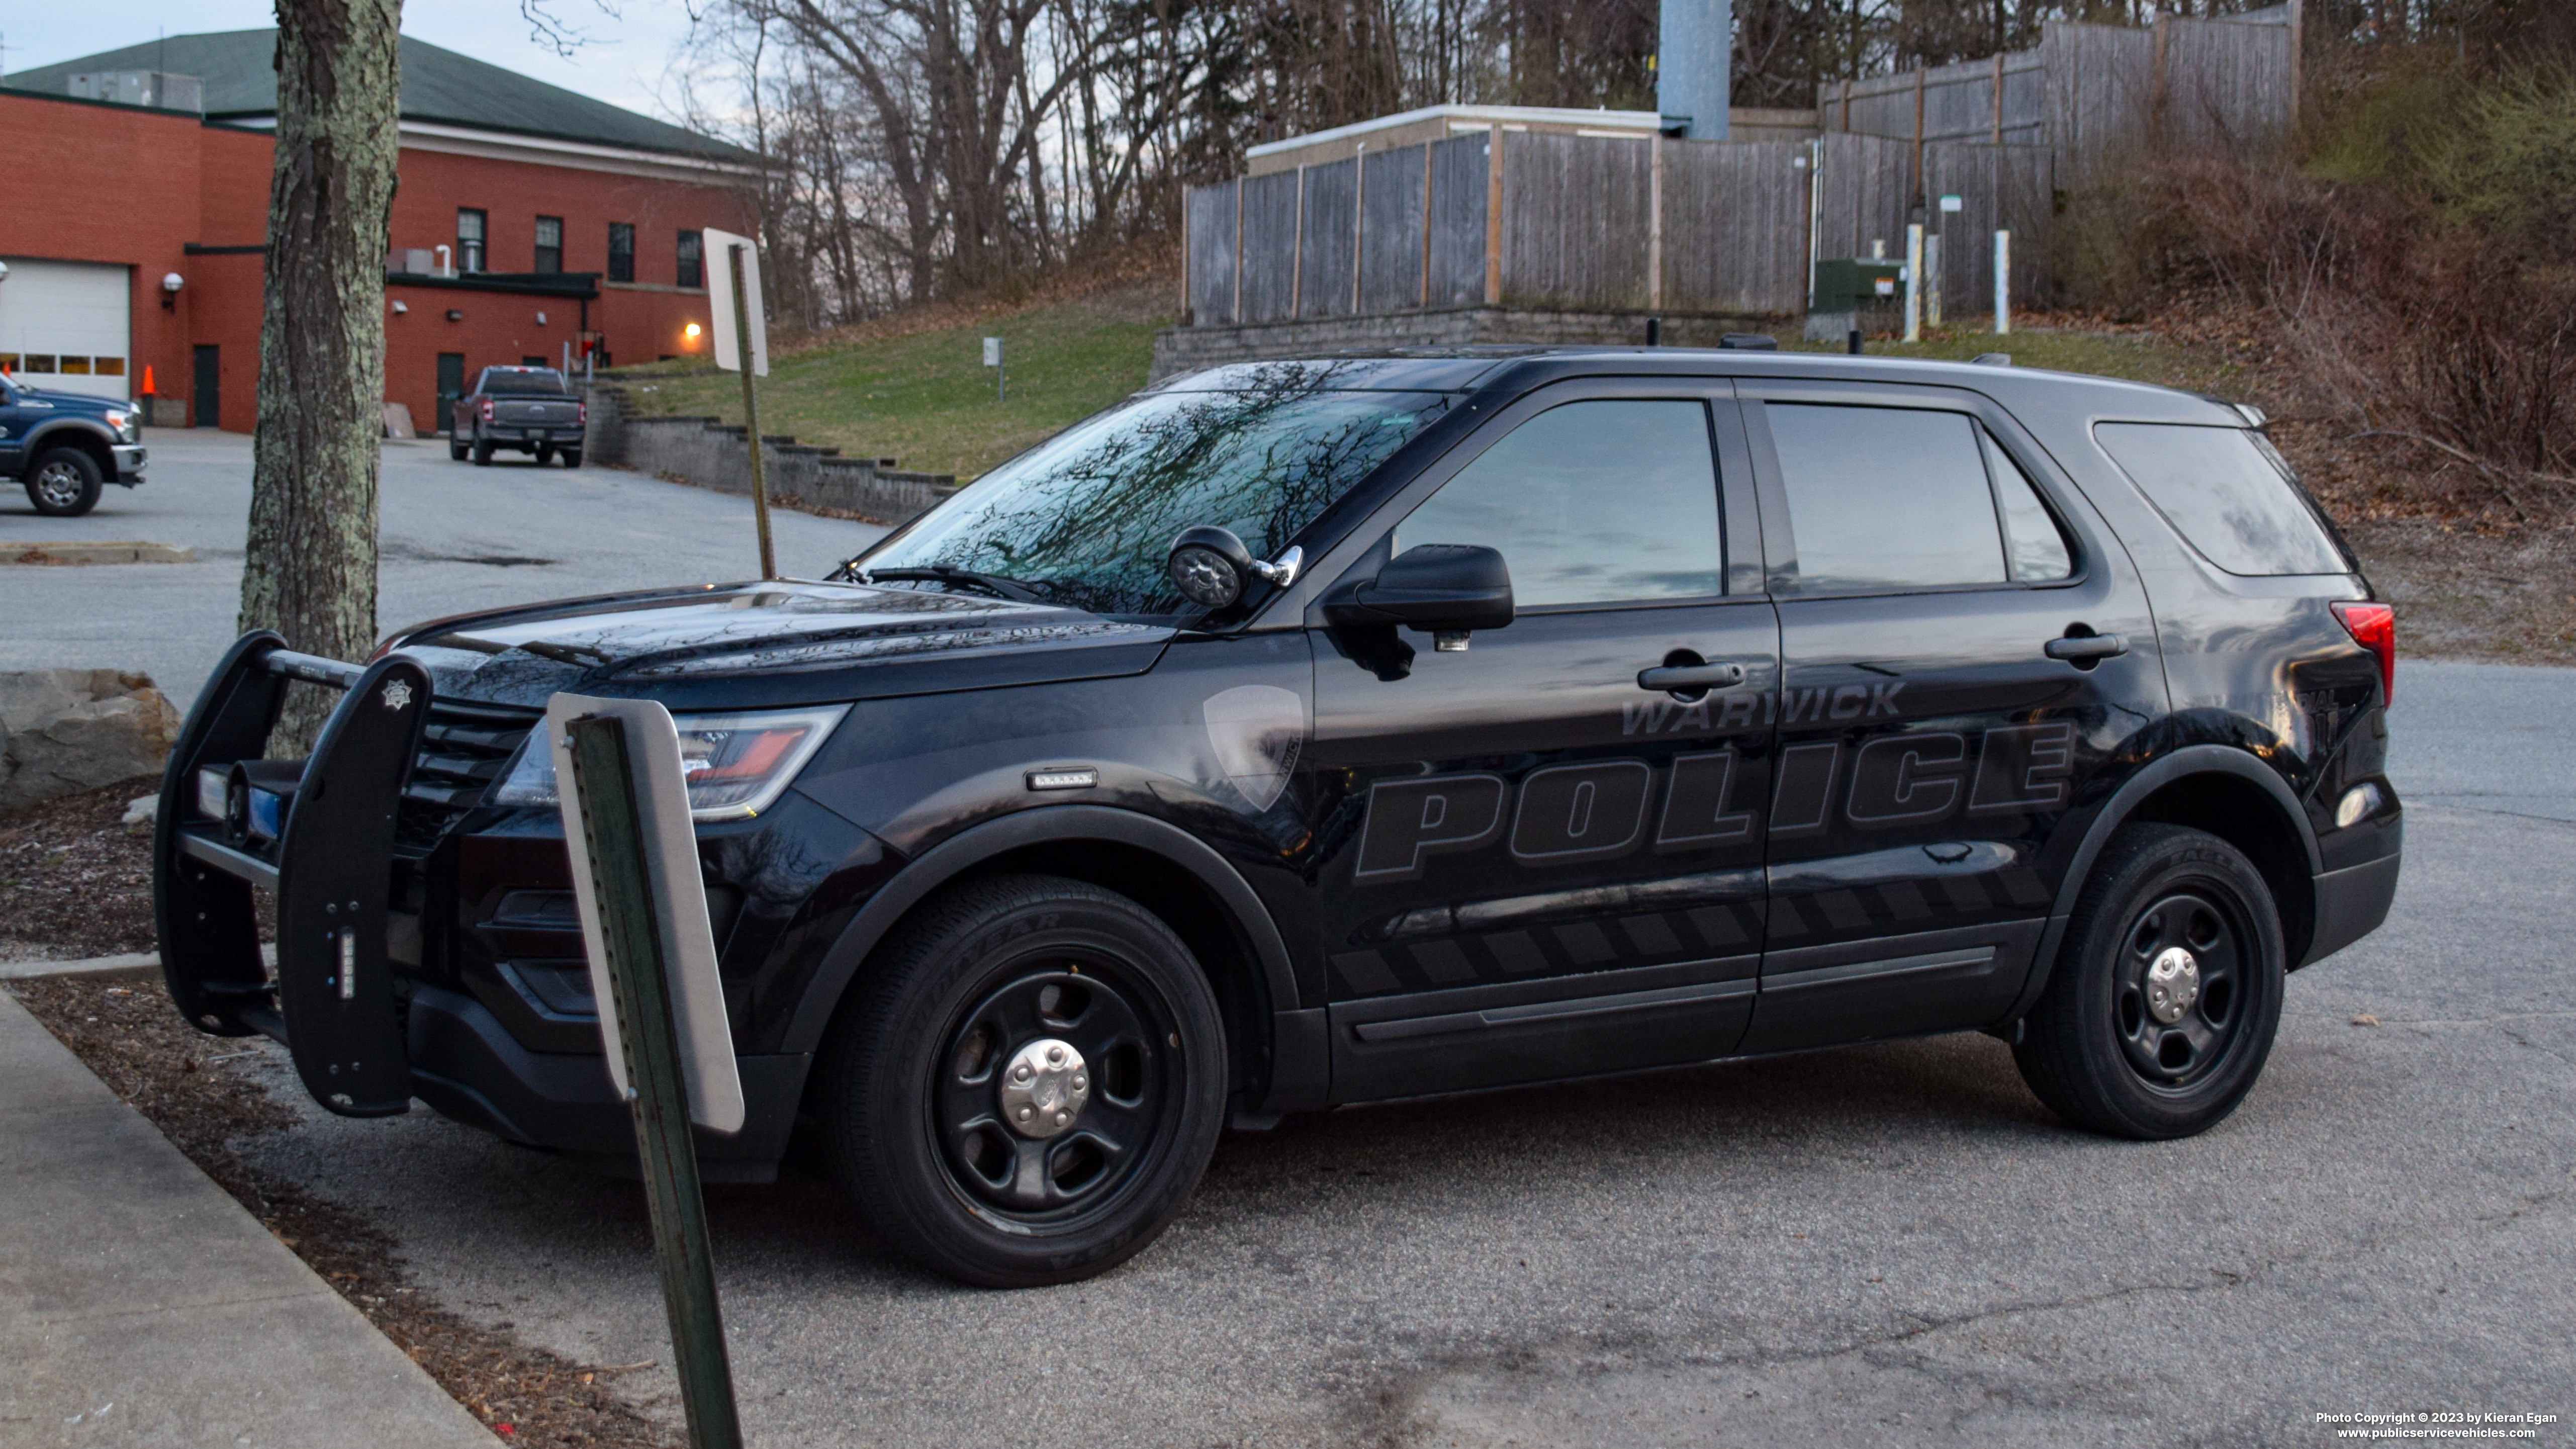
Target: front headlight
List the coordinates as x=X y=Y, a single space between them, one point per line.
x=737 y=765
x=128 y=429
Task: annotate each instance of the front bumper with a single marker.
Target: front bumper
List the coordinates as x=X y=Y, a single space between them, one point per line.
x=130 y=458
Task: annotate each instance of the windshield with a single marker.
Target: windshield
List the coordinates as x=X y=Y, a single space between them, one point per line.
x=1087 y=518
x=541 y=380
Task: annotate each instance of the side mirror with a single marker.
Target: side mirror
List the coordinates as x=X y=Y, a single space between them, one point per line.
x=1212 y=568
x=1444 y=588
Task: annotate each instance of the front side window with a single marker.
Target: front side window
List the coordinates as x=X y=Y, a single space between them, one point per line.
x=549 y=244
x=1088 y=518
x=469 y=240
x=621 y=251
x=693 y=266
x=1589 y=503
x=2226 y=491
x=1897 y=498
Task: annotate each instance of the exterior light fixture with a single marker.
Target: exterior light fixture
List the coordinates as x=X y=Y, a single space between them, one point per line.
x=170 y=285
x=401 y=306
x=692 y=330
x=541 y=319
x=455 y=316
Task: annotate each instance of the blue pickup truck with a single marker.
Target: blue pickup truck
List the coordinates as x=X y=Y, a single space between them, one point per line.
x=67 y=446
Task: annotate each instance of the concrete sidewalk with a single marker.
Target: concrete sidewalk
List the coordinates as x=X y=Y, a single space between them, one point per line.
x=141 y=1305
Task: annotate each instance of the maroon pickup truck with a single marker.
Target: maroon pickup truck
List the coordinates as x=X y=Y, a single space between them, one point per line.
x=527 y=409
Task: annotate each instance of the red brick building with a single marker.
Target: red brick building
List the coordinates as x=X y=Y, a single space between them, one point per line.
x=529 y=222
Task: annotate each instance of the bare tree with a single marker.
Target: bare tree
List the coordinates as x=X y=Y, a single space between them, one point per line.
x=310 y=568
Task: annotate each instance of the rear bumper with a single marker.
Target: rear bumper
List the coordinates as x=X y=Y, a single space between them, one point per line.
x=506 y=433
x=468 y=1068
x=2351 y=903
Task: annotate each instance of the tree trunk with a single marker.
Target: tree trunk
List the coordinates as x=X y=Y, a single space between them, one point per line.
x=310 y=572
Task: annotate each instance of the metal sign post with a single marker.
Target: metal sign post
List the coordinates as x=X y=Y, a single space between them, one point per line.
x=742 y=345
x=652 y=964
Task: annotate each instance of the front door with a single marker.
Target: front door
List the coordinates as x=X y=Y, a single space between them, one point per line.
x=1538 y=867
x=206 y=409
x=451 y=386
x=1929 y=743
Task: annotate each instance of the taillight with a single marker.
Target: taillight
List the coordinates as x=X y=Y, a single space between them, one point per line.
x=2374 y=627
x=487 y=410
x=581 y=413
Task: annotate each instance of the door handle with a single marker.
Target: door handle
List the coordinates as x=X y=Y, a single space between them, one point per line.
x=1669 y=677
x=2086 y=647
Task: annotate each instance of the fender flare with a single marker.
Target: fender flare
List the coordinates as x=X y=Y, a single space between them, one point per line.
x=2158 y=773
x=49 y=434
x=952 y=857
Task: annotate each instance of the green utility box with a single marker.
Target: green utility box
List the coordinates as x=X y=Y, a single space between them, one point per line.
x=1856 y=284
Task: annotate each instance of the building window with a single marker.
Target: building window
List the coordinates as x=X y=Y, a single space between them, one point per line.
x=693 y=264
x=621 y=251
x=549 y=244
x=469 y=240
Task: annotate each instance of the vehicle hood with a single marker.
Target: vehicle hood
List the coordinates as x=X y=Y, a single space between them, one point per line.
x=74 y=402
x=764 y=645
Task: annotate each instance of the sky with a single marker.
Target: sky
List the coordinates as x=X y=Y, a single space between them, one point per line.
x=625 y=61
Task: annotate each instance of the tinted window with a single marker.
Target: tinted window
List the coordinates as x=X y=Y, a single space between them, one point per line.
x=1088 y=518
x=515 y=381
x=2219 y=489
x=2033 y=546
x=1591 y=502
x=1886 y=497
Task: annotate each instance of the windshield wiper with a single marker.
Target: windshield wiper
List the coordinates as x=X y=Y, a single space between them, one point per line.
x=993 y=584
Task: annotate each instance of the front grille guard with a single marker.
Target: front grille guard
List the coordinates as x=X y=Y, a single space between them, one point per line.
x=321 y=833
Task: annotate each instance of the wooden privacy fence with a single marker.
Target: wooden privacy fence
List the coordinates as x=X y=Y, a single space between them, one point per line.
x=2093 y=94
x=1596 y=224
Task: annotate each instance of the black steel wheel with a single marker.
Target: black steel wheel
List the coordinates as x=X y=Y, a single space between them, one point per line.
x=65 y=483
x=2165 y=998
x=1030 y=1086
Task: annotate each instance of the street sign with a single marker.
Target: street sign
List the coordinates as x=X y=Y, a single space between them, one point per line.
x=720 y=251
x=992 y=352
x=679 y=901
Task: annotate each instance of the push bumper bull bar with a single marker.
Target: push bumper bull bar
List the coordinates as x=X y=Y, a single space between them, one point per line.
x=318 y=832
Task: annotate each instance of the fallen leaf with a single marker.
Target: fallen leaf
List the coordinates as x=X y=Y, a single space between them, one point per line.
x=2365 y=1019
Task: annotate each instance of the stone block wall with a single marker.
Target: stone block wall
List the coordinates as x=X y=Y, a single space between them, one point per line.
x=712 y=454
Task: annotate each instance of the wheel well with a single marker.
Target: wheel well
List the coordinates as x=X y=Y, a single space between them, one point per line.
x=2241 y=813
x=1195 y=915
x=79 y=440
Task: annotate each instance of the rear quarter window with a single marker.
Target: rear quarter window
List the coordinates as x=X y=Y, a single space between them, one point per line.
x=2223 y=491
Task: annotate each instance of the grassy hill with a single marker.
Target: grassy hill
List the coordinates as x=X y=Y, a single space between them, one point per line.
x=926 y=398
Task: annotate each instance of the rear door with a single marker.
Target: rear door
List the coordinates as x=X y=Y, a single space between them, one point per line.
x=1538 y=867
x=1926 y=558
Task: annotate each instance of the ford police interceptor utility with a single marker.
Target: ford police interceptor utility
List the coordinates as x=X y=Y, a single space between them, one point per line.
x=1307 y=733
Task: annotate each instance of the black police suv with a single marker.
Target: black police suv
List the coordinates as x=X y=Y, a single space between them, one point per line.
x=1307 y=733
x=66 y=447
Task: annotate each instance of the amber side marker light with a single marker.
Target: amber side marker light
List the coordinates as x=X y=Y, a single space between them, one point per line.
x=2374 y=627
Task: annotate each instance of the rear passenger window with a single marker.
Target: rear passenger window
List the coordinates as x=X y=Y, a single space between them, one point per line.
x=2218 y=488
x=1886 y=498
x=2033 y=546
x=1589 y=503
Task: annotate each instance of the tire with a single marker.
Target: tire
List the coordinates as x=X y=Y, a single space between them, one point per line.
x=914 y=1100
x=572 y=457
x=455 y=449
x=482 y=451
x=65 y=483
x=2119 y=1047
x=545 y=454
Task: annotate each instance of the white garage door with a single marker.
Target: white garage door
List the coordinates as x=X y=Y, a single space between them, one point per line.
x=64 y=325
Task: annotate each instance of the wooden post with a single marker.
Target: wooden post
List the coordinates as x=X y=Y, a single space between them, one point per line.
x=1655 y=224
x=1429 y=149
x=1494 y=217
x=1359 y=219
x=1297 y=251
x=1238 y=251
x=2156 y=88
x=2298 y=59
x=1918 y=133
x=751 y=411
x=1999 y=98
x=1186 y=254
x=613 y=830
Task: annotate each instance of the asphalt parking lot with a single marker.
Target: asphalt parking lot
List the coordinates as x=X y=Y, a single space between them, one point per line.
x=1892 y=1244
x=455 y=538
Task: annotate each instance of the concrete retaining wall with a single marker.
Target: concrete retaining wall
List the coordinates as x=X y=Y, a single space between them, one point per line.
x=1187 y=349
x=711 y=454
